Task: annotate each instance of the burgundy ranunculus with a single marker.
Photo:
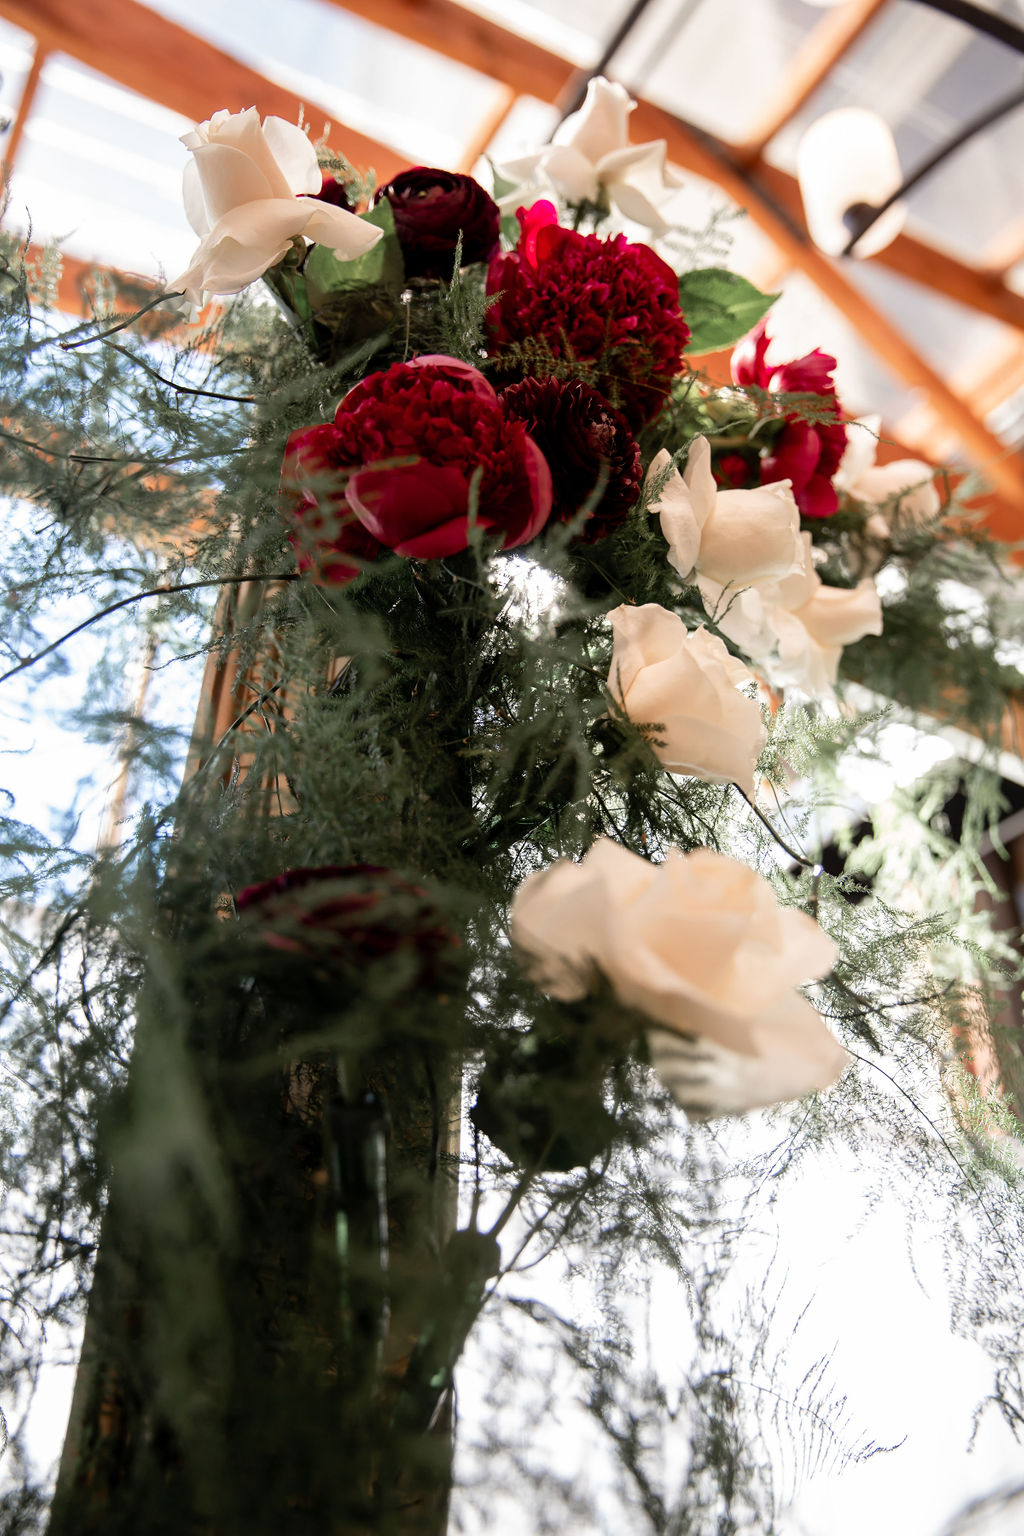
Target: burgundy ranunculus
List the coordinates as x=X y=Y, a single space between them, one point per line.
x=347 y=915
x=805 y=453
x=606 y=308
x=580 y=435
x=312 y=499
x=431 y=209
x=426 y=443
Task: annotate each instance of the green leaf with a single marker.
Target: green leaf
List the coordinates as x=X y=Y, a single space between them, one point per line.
x=381 y=267
x=720 y=307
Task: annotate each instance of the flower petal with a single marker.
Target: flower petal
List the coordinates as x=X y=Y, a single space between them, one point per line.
x=341 y=231
x=419 y=510
x=293 y=154
x=228 y=179
x=601 y=124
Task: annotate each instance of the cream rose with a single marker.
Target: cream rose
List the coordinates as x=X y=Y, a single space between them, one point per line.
x=906 y=485
x=590 y=156
x=701 y=946
x=685 y=685
x=730 y=537
x=244 y=192
x=794 y=630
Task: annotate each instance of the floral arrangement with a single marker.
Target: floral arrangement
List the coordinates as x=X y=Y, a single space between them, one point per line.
x=532 y=637
x=583 y=362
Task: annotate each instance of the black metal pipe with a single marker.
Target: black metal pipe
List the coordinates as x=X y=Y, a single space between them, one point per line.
x=980 y=19
x=575 y=92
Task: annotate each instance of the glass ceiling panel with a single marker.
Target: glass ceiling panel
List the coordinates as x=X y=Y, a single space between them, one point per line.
x=426 y=106
x=99 y=172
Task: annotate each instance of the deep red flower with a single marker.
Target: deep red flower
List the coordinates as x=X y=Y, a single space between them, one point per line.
x=431 y=209
x=345 y=916
x=608 y=306
x=581 y=436
x=805 y=453
x=733 y=472
x=336 y=193
x=312 y=499
x=425 y=443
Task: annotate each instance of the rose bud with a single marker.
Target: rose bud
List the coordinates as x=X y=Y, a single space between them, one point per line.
x=580 y=435
x=432 y=209
x=686 y=687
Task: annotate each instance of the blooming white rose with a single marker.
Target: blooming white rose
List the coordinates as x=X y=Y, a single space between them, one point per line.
x=244 y=192
x=686 y=684
x=795 y=629
x=731 y=537
x=590 y=154
x=701 y=946
x=905 y=484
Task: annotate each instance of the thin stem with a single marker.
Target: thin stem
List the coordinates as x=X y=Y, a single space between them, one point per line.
x=137 y=597
x=122 y=325
x=798 y=857
x=182 y=389
x=522 y=1184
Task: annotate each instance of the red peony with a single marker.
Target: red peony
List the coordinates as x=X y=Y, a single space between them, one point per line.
x=806 y=454
x=325 y=529
x=581 y=436
x=606 y=307
x=424 y=443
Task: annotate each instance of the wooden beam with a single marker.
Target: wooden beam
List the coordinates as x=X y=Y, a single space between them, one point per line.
x=814 y=62
x=460 y=34
x=913 y=259
x=21 y=116
x=143 y=51
x=486 y=130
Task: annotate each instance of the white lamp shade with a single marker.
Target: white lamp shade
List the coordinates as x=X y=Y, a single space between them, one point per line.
x=849 y=157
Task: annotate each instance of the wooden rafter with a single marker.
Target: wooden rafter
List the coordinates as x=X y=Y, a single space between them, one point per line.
x=825 y=46
x=28 y=94
x=143 y=51
x=915 y=259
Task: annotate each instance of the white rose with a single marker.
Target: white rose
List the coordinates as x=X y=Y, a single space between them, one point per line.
x=795 y=629
x=590 y=154
x=685 y=685
x=730 y=537
x=905 y=484
x=244 y=196
x=701 y=946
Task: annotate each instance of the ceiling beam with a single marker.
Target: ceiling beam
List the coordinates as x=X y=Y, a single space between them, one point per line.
x=143 y=51
x=820 y=53
x=460 y=34
x=913 y=259
x=16 y=130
